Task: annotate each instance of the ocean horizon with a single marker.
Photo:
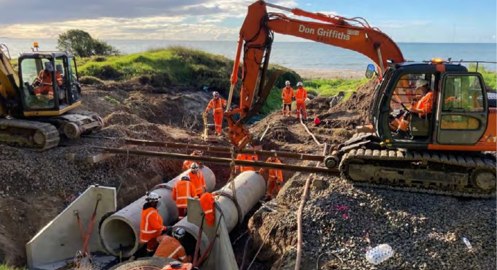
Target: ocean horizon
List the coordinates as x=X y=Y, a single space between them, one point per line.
x=299 y=54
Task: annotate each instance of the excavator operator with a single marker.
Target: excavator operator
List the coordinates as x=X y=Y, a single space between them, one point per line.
x=44 y=81
x=217 y=104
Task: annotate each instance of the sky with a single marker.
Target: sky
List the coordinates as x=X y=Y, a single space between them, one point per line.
x=404 y=21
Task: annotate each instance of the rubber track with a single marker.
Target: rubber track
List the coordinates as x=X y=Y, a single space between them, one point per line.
x=387 y=156
x=50 y=132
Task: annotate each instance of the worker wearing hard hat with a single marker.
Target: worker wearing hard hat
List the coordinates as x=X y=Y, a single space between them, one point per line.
x=171 y=248
x=275 y=178
x=151 y=225
x=301 y=98
x=197 y=179
x=422 y=107
x=44 y=82
x=188 y=163
x=183 y=190
x=247 y=157
x=217 y=104
x=287 y=96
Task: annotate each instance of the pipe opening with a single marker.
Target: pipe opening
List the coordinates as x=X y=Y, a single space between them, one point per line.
x=118 y=235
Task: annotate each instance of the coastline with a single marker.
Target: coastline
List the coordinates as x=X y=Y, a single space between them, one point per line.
x=328 y=74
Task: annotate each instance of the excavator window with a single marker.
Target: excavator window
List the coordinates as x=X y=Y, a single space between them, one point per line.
x=36 y=74
x=462 y=94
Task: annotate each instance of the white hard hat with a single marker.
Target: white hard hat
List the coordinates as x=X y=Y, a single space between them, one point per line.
x=421 y=82
x=194 y=166
x=215 y=93
x=152 y=196
x=300 y=84
x=178 y=233
x=287 y=82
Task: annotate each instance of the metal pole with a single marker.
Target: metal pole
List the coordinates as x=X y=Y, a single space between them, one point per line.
x=279 y=7
x=226 y=150
x=216 y=160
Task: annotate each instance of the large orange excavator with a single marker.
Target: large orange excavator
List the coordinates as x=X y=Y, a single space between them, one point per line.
x=441 y=152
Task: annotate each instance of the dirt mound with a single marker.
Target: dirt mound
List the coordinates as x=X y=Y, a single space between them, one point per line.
x=122 y=118
x=344 y=221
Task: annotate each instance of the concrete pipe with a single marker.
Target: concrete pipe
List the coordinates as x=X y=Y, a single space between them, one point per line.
x=250 y=188
x=121 y=231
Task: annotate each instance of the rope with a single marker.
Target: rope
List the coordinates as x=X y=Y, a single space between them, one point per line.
x=308 y=131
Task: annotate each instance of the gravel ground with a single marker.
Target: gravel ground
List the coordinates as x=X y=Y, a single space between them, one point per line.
x=425 y=231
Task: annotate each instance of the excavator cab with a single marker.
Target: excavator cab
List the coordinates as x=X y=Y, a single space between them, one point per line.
x=456 y=112
x=49 y=83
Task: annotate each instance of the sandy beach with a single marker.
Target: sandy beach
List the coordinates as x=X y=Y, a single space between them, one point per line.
x=314 y=73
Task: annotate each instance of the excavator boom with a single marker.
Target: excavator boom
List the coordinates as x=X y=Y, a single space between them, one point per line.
x=256 y=37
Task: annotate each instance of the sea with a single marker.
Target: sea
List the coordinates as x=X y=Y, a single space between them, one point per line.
x=306 y=55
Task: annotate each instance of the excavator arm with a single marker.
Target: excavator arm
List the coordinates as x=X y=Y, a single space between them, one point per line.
x=256 y=37
x=9 y=82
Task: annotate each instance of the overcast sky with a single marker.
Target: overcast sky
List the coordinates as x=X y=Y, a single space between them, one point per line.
x=404 y=21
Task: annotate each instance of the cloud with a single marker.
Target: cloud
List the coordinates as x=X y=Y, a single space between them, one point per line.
x=400 y=24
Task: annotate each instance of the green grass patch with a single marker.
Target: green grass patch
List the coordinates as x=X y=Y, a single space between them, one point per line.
x=6 y=267
x=490 y=77
x=112 y=100
x=333 y=86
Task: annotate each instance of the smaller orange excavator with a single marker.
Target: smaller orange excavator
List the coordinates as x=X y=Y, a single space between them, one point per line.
x=443 y=150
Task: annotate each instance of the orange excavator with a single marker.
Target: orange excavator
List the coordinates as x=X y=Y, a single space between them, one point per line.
x=442 y=152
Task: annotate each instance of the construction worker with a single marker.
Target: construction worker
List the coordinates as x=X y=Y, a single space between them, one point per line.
x=301 y=98
x=248 y=157
x=44 y=82
x=197 y=179
x=287 y=96
x=151 y=225
x=171 y=248
x=217 y=104
x=183 y=190
x=180 y=266
x=207 y=202
x=275 y=179
x=188 y=163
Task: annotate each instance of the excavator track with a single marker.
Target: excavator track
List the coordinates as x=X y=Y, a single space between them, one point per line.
x=460 y=175
x=33 y=135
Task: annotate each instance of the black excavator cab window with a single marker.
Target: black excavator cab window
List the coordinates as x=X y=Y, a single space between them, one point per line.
x=49 y=82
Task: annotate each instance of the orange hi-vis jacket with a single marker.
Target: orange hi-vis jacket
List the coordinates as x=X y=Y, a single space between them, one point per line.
x=187 y=164
x=425 y=104
x=185 y=266
x=207 y=202
x=287 y=95
x=246 y=157
x=151 y=225
x=216 y=105
x=273 y=173
x=170 y=247
x=45 y=79
x=301 y=95
x=181 y=191
x=197 y=179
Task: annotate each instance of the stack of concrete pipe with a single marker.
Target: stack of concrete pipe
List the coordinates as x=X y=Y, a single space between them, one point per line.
x=121 y=231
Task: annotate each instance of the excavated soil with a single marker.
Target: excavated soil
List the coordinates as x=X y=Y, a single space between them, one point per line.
x=35 y=187
x=341 y=222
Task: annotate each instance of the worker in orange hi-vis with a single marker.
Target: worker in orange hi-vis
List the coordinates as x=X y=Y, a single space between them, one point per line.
x=183 y=190
x=180 y=266
x=207 y=202
x=301 y=98
x=197 y=179
x=287 y=95
x=171 y=248
x=247 y=157
x=275 y=178
x=188 y=163
x=217 y=104
x=151 y=225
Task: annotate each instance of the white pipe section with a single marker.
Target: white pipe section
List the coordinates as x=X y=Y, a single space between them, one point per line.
x=122 y=229
x=250 y=188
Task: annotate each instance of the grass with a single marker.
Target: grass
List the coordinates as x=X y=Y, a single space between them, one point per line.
x=6 y=267
x=333 y=86
x=490 y=77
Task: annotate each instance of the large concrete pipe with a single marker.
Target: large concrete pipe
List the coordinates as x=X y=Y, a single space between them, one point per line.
x=250 y=188
x=121 y=231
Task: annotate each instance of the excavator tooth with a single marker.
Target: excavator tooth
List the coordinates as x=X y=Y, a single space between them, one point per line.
x=360 y=152
x=368 y=152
